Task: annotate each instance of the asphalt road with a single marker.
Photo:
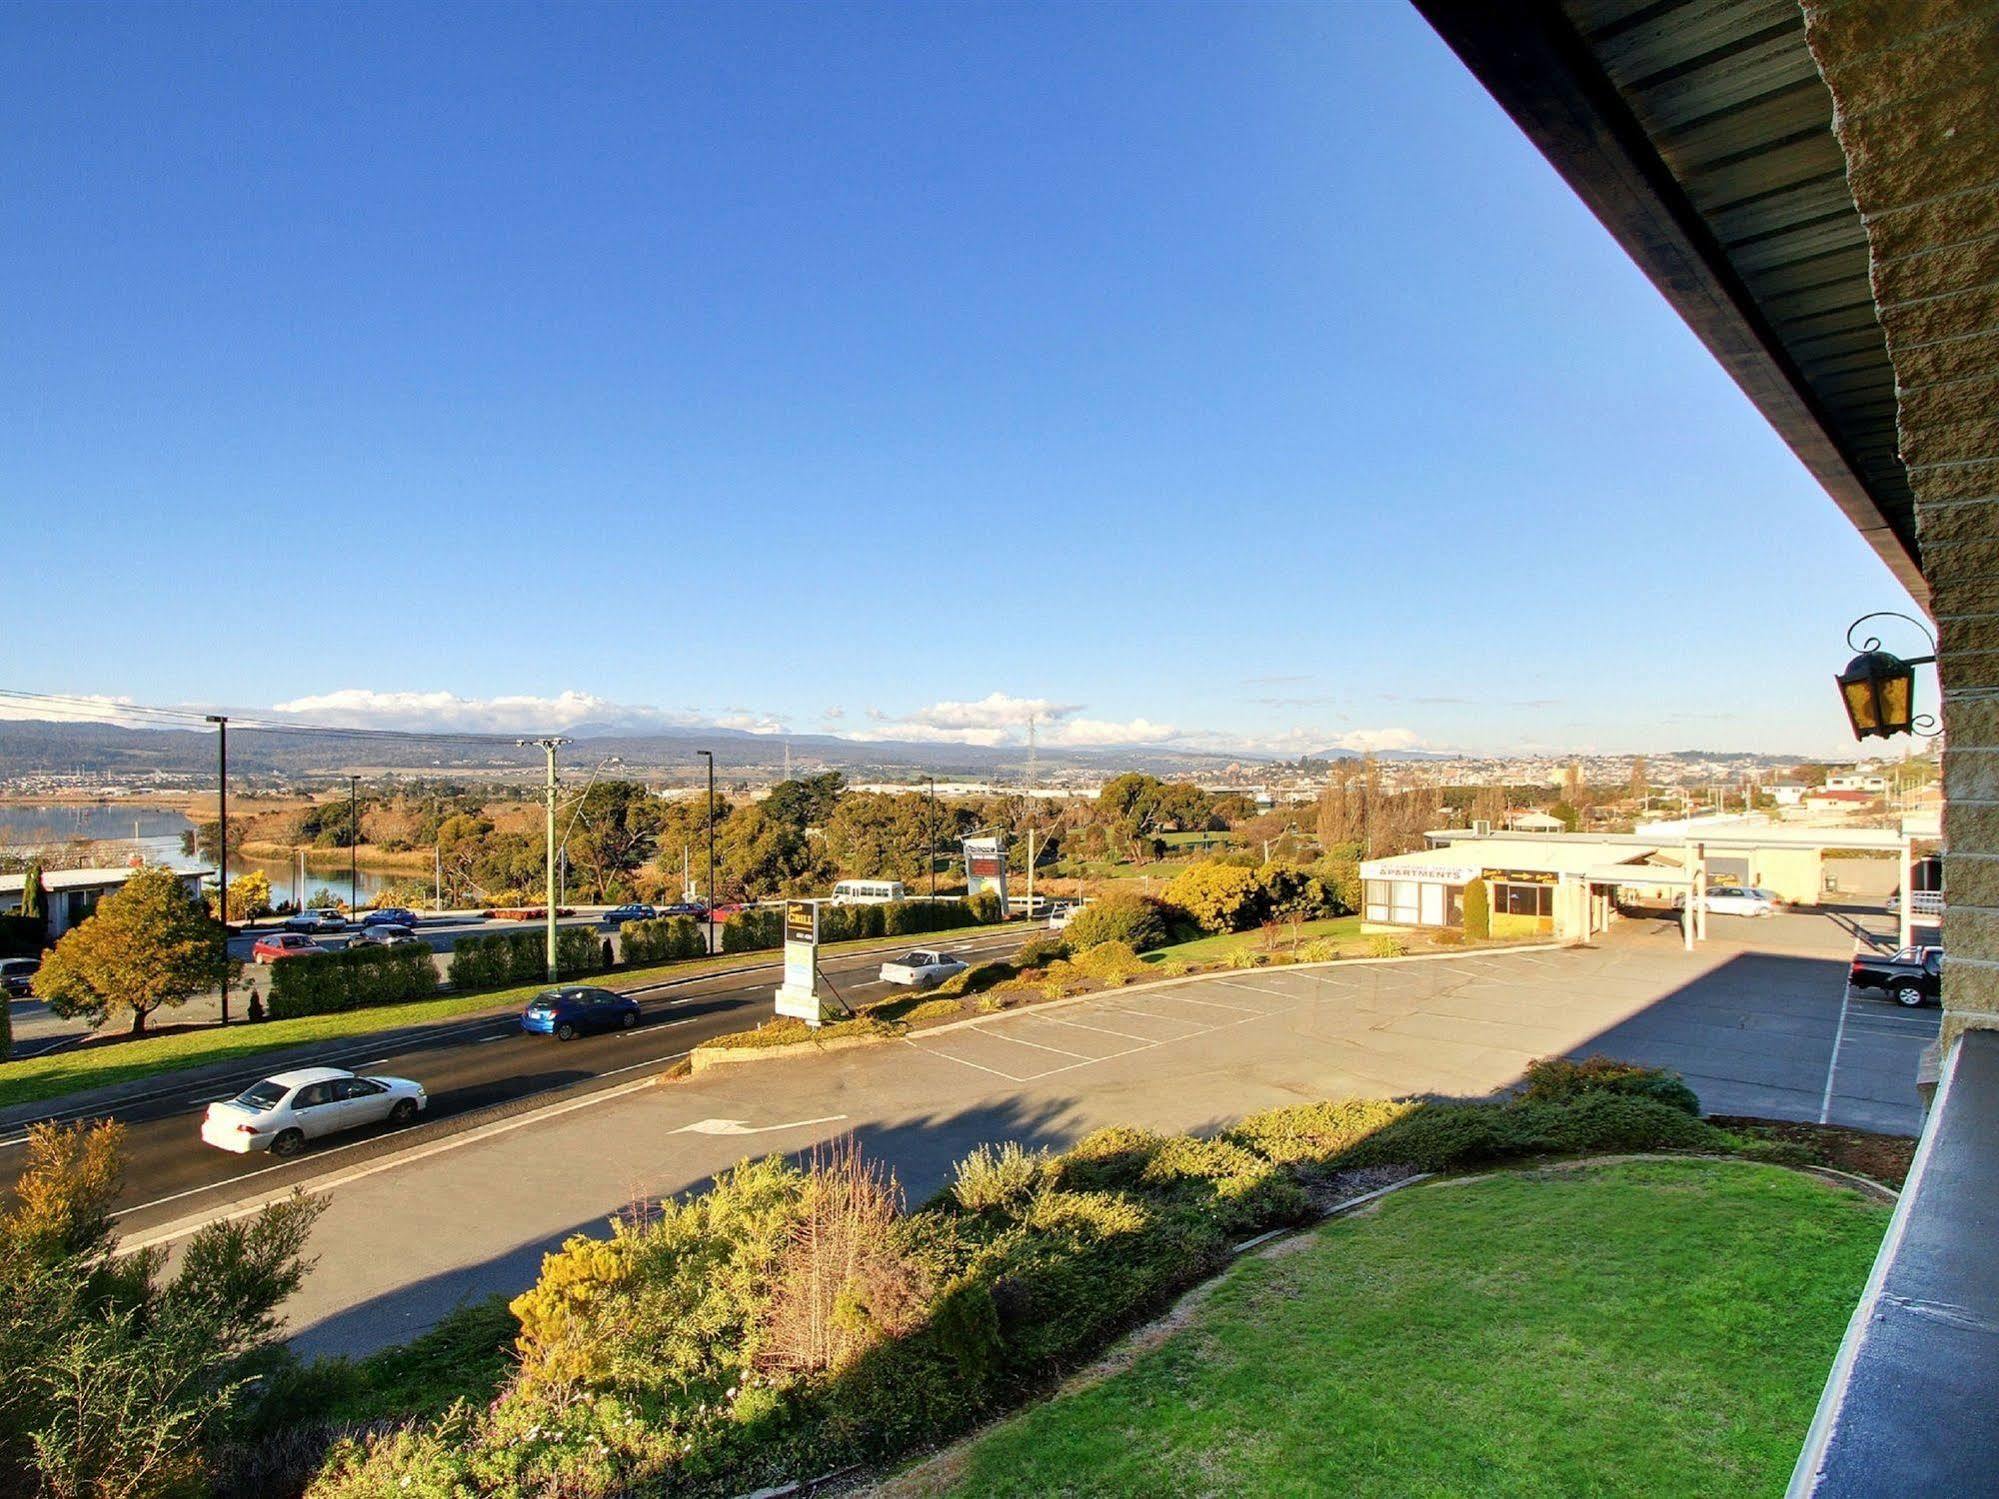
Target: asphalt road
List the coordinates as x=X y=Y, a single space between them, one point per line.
x=472 y=1072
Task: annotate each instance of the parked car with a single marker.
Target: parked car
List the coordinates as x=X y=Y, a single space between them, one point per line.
x=390 y=916
x=317 y=919
x=281 y=1113
x=727 y=909
x=1064 y=913
x=1910 y=977
x=921 y=969
x=281 y=945
x=386 y=934
x=1737 y=900
x=17 y=977
x=692 y=908
x=632 y=911
x=568 y=1012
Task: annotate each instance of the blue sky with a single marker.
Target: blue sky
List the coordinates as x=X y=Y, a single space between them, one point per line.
x=1230 y=375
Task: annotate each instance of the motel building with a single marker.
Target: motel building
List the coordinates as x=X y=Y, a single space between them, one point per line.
x=73 y=894
x=1571 y=886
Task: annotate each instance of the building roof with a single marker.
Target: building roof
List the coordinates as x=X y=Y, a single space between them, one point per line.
x=1700 y=132
x=56 y=880
x=1541 y=854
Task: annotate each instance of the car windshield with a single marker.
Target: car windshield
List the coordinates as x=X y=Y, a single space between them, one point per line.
x=261 y=1096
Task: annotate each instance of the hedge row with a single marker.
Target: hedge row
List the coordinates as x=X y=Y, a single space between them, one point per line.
x=763 y=927
x=661 y=940
x=507 y=958
x=352 y=979
x=719 y=1347
x=23 y=936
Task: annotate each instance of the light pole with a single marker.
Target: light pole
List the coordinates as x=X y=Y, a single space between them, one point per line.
x=354 y=844
x=222 y=874
x=549 y=746
x=709 y=755
x=931 y=855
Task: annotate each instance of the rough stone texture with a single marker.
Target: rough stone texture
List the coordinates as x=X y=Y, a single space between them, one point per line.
x=1915 y=86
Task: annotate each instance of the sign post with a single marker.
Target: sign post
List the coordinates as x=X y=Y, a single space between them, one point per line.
x=985 y=868
x=798 y=996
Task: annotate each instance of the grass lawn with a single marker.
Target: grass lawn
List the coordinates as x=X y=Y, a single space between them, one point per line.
x=1214 y=949
x=1656 y=1328
x=36 y=1079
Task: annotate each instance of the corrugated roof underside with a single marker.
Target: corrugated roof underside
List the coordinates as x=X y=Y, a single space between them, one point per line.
x=1729 y=96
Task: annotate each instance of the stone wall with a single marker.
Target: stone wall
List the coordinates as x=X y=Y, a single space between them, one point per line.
x=1915 y=85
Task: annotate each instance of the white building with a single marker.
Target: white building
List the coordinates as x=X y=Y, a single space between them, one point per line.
x=74 y=893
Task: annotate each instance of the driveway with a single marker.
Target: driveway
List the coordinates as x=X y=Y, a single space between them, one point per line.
x=1753 y=1018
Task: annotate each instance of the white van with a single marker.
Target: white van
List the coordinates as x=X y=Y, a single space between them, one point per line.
x=867 y=892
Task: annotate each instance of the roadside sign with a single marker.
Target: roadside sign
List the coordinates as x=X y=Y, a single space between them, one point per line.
x=985 y=866
x=798 y=995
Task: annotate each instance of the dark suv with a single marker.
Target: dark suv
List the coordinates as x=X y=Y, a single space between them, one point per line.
x=17 y=977
x=1911 y=977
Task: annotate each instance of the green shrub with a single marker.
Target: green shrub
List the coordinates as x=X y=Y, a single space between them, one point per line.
x=1218 y=895
x=1131 y=919
x=1448 y=936
x=1039 y=952
x=662 y=940
x=753 y=930
x=1317 y=1133
x=1319 y=950
x=1385 y=946
x=997 y=1177
x=1557 y=1079
x=1780 y=1153
x=1243 y=957
x=1110 y=963
x=355 y=978
x=1478 y=911
x=985 y=908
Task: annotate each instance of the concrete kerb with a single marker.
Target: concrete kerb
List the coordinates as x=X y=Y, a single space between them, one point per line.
x=727 y=1055
x=137 y=1090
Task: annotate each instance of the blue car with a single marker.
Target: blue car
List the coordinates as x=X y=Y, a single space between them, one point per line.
x=390 y=916
x=567 y=1013
x=636 y=911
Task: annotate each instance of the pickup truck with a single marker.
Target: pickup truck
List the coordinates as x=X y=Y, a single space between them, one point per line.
x=1910 y=977
x=921 y=969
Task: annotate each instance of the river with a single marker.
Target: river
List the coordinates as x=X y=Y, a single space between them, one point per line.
x=121 y=830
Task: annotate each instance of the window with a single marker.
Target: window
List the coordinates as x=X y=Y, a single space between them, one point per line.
x=357 y=1087
x=1377 y=900
x=1523 y=900
x=312 y=1097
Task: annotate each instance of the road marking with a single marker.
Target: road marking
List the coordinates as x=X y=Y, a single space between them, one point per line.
x=1832 y=1062
x=738 y=1127
x=1017 y=1041
x=1215 y=1004
x=961 y=1061
x=1101 y=1030
x=484 y=1039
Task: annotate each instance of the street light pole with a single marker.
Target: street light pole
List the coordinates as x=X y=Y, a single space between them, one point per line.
x=354 y=844
x=549 y=746
x=709 y=755
x=222 y=825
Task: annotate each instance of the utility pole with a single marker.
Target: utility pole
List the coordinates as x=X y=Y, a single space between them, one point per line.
x=549 y=746
x=1030 y=869
x=222 y=826
x=930 y=856
x=709 y=755
x=354 y=844
x=437 y=874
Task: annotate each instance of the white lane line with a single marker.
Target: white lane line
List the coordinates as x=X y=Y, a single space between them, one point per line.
x=484 y=1039
x=1256 y=989
x=1216 y=1004
x=1832 y=1062
x=1101 y=1030
x=963 y=1062
x=672 y=1056
x=17 y=1140
x=980 y=1030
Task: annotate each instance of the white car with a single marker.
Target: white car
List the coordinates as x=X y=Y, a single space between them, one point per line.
x=921 y=969
x=1062 y=915
x=281 y=1113
x=317 y=919
x=1738 y=900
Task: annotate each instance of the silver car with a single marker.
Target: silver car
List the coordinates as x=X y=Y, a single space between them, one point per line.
x=281 y=1113
x=387 y=935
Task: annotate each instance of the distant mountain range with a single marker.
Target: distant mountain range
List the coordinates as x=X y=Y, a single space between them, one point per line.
x=30 y=747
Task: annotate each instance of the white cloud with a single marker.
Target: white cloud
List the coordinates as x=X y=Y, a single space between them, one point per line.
x=1301 y=739
x=78 y=708
x=999 y=718
x=1088 y=733
x=996 y=710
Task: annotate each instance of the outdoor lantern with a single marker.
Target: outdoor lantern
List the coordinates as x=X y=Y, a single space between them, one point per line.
x=1879 y=688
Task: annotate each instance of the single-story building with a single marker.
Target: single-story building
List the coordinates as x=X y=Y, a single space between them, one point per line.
x=1535 y=822
x=74 y=893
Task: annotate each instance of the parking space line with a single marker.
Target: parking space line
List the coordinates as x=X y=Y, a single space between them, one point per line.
x=1101 y=1030
x=1215 y=1004
x=980 y=1030
x=1256 y=989
x=963 y=1062
x=1832 y=1062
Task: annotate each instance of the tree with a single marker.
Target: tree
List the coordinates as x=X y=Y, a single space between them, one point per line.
x=1221 y=897
x=151 y=943
x=249 y=895
x=115 y=1376
x=34 y=893
x=1478 y=911
x=1641 y=784
x=806 y=802
x=615 y=831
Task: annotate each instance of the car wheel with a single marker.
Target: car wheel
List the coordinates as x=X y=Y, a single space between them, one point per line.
x=565 y=1032
x=1908 y=996
x=629 y=1019
x=288 y=1143
x=404 y=1111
